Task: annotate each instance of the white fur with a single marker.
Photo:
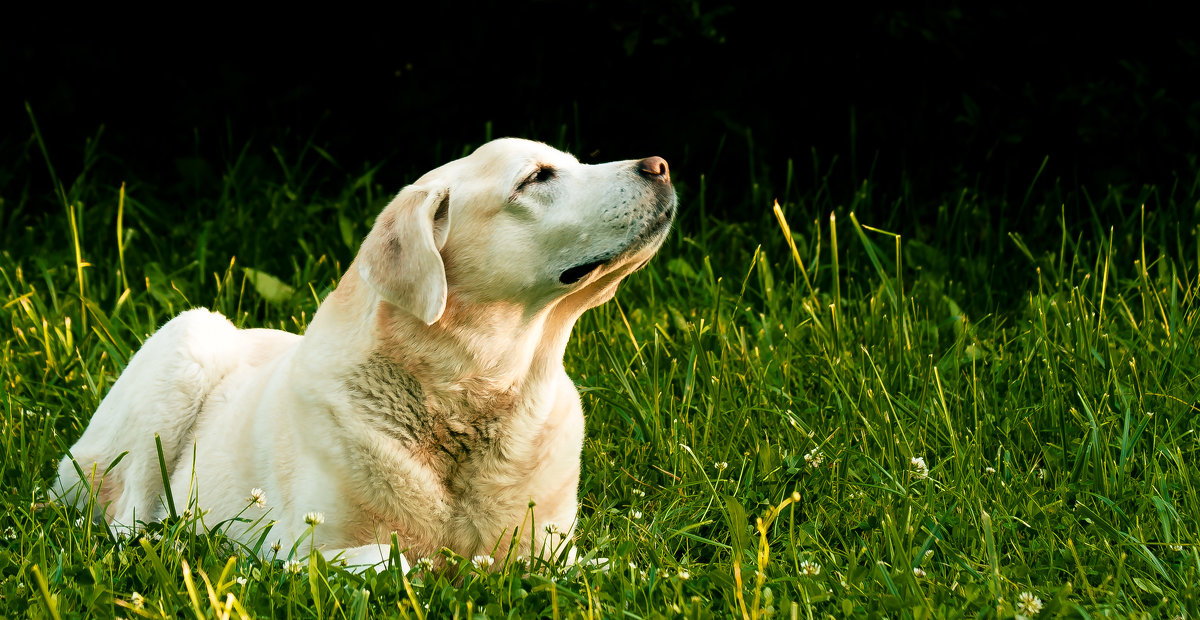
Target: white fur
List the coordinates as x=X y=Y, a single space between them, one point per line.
x=427 y=398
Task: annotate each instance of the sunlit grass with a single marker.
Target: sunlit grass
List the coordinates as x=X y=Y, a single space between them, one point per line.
x=949 y=416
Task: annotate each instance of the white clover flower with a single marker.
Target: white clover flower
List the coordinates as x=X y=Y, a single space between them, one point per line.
x=639 y=493
x=918 y=573
x=138 y=600
x=928 y=554
x=810 y=569
x=1029 y=604
x=314 y=518
x=920 y=469
x=482 y=561
x=293 y=566
x=636 y=514
x=684 y=574
x=720 y=465
x=258 y=497
x=814 y=458
x=990 y=470
x=424 y=565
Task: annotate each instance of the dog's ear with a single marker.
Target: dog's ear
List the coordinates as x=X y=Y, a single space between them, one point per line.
x=401 y=256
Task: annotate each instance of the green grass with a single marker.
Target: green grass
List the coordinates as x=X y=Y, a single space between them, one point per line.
x=757 y=403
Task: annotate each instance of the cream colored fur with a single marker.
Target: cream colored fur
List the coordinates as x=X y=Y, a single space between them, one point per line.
x=427 y=397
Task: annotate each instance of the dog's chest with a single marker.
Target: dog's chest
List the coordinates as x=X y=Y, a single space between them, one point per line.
x=456 y=459
x=445 y=432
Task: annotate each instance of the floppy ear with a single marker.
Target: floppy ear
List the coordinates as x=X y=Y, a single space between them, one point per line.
x=401 y=259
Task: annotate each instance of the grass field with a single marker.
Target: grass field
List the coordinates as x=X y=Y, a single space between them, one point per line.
x=983 y=407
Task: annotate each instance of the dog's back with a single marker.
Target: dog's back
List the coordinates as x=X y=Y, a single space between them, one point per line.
x=162 y=391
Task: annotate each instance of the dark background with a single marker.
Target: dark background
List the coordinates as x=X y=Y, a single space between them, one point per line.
x=935 y=98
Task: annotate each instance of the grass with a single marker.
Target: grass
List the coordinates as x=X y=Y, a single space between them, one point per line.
x=941 y=414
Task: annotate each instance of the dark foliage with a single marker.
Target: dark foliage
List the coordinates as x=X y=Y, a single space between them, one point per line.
x=922 y=100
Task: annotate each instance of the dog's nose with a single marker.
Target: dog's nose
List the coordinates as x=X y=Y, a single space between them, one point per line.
x=654 y=168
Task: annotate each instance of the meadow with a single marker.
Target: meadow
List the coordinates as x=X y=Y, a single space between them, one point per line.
x=848 y=403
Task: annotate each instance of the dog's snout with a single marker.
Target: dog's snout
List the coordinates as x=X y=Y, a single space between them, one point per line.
x=654 y=168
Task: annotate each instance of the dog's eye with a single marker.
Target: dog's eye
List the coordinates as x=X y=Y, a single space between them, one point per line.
x=541 y=175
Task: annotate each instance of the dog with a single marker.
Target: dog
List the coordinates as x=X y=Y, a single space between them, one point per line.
x=427 y=400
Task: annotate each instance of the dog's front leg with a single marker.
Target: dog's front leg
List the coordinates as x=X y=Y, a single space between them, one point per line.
x=365 y=557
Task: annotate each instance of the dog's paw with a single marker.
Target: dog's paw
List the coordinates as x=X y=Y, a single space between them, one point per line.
x=573 y=557
x=366 y=557
x=599 y=564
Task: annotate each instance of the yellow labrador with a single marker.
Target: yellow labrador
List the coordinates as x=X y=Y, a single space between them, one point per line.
x=428 y=396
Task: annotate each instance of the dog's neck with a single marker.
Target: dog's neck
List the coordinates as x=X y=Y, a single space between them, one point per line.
x=496 y=347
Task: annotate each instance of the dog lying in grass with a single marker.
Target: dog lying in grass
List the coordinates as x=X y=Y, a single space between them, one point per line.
x=427 y=398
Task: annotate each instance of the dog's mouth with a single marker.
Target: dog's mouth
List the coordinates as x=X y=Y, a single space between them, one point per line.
x=660 y=223
x=652 y=234
x=576 y=273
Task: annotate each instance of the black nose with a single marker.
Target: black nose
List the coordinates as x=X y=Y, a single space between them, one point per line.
x=654 y=168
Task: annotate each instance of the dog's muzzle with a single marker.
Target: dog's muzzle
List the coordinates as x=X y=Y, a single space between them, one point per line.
x=655 y=171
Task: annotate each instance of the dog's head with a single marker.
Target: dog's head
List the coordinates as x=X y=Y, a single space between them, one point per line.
x=517 y=222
